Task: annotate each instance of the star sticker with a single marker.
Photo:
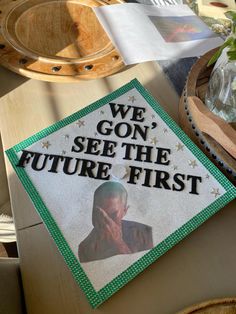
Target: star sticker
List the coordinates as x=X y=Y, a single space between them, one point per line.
x=45 y=144
x=101 y=112
x=66 y=136
x=80 y=123
x=207 y=176
x=153 y=140
x=132 y=99
x=215 y=192
x=179 y=147
x=63 y=152
x=192 y=163
x=165 y=130
x=175 y=167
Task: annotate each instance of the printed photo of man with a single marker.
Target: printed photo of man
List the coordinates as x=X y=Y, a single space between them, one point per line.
x=111 y=235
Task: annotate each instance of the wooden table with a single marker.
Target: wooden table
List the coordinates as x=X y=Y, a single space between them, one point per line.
x=201 y=267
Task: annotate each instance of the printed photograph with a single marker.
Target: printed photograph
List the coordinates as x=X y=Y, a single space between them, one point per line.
x=180 y=29
x=112 y=234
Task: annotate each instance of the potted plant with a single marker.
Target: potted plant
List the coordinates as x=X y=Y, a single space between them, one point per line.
x=221 y=93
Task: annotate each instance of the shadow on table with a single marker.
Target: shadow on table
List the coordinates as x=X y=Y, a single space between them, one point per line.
x=8 y=85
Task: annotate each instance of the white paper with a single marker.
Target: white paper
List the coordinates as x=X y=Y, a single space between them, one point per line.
x=160 y=2
x=146 y=32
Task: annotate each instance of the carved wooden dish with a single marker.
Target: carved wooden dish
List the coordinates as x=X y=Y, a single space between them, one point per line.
x=56 y=40
x=218 y=306
x=213 y=135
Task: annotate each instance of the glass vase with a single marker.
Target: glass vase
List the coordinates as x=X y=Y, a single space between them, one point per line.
x=221 y=93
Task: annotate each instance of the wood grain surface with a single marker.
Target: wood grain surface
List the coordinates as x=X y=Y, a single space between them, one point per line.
x=219 y=306
x=209 y=123
x=57 y=41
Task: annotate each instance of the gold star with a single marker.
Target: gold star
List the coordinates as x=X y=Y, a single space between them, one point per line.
x=153 y=140
x=165 y=130
x=192 y=163
x=80 y=123
x=179 y=147
x=132 y=99
x=45 y=144
x=215 y=192
x=207 y=176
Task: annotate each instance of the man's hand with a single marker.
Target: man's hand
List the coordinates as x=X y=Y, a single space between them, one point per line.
x=109 y=228
x=110 y=232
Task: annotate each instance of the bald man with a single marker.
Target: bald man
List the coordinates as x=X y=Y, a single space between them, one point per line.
x=111 y=234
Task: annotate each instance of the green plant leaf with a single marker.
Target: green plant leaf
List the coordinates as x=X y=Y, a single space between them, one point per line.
x=231 y=15
x=218 y=52
x=232 y=55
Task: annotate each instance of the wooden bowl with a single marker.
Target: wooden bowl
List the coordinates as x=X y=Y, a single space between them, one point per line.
x=213 y=135
x=218 y=306
x=56 y=40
